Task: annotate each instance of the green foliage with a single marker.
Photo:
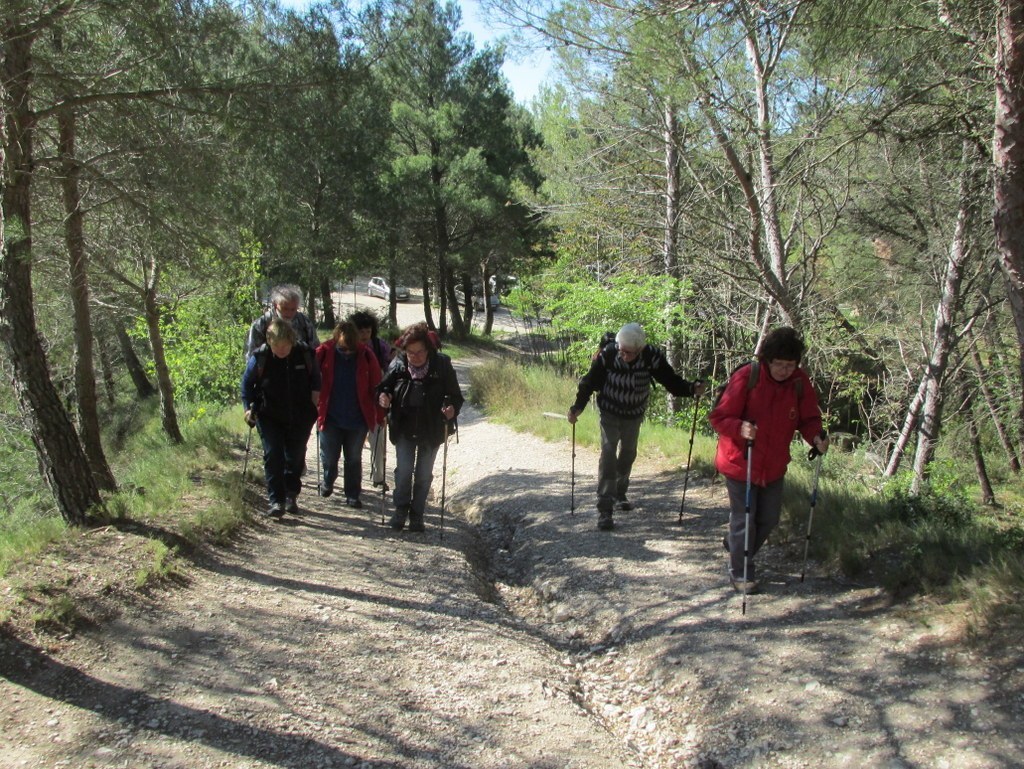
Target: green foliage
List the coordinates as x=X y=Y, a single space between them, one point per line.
x=582 y=308
x=205 y=333
x=927 y=543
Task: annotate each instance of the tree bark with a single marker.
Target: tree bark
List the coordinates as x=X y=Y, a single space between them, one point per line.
x=168 y=415
x=143 y=387
x=670 y=255
x=1011 y=454
x=327 y=303
x=62 y=460
x=943 y=335
x=85 y=372
x=988 y=495
x=1008 y=157
x=909 y=423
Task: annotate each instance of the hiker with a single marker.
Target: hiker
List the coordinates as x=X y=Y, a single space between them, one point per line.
x=621 y=375
x=284 y=303
x=422 y=392
x=347 y=410
x=763 y=404
x=368 y=328
x=280 y=390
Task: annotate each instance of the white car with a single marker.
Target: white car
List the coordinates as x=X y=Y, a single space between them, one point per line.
x=379 y=287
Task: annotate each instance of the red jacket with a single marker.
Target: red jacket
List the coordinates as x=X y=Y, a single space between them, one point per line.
x=776 y=410
x=367 y=379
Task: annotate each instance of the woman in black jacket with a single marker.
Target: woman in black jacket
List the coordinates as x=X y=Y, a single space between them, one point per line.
x=422 y=392
x=280 y=389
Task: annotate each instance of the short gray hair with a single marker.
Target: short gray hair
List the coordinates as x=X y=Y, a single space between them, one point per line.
x=286 y=292
x=631 y=336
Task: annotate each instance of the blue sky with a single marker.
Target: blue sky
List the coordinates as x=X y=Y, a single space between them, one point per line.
x=525 y=77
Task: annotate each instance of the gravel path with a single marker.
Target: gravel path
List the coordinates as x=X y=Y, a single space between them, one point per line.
x=522 y=638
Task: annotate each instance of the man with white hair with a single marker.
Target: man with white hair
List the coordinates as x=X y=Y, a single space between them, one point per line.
x=621 y=375
x=284 y=304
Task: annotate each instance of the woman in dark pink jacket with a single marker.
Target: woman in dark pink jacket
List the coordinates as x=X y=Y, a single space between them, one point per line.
x=763 y=405
x=347 y=408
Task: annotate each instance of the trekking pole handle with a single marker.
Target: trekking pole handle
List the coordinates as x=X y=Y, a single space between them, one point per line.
x=814 y=453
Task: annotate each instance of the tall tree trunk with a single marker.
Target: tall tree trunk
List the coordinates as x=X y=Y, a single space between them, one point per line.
x=670 y=247
x=907 y=431
x=1011 y=454
x=107 y=366
x=767 y=192
x=327 y=303
x=62 y=460
x=988 y=496
x=1008 y=157
x=428 y=310
x=943 y=335
x=143 y=387
x=85 y=373
x=168 y=415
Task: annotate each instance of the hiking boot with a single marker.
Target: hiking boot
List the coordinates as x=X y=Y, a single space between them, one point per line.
x=276 y=510
x=354 y=502
x=738 y=585
x=397 y=521
x=378 y=484
x=291 y=506
x=416 y=522
x=623 y=504
x=325 y=490
x=604 y=520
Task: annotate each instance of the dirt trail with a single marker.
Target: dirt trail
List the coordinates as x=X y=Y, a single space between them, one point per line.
x=523 y=638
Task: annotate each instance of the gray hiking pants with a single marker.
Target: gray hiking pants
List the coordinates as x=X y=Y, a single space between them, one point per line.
x=765 y=510
x=619 y=437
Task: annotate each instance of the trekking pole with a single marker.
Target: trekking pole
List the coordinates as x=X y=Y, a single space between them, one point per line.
x=746 y=527
x=689 y=456
x=384 y=470
x=248 y=446
x=444 y=470
x=814 y=500
x=319 y=476
x=572 y=484
x=572 y=476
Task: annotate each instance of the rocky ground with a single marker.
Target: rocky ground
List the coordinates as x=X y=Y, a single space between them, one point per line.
x=521 y=637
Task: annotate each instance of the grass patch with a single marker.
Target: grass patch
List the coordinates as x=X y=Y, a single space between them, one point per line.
x=161 y=567
x=26 y=532
x=521 y=397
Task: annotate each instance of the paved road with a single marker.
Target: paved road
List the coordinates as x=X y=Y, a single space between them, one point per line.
x=353 y=297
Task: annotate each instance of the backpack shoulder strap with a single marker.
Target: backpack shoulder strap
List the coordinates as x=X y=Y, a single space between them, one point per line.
x=754 y=374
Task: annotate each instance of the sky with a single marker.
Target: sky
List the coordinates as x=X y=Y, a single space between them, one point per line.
x=525 y=77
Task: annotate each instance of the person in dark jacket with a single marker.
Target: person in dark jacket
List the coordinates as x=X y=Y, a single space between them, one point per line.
x=369 y=330
x=422 y=392
x=764 y=417
x=621 y=375
x=347 y=410
x=280 y=389
x=285 y=301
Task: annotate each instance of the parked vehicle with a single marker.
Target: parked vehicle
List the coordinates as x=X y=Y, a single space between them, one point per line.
x=478 y=298
x=379 y=287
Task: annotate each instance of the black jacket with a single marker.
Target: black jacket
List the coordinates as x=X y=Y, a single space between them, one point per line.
x=623 y=389
x=281 y=389
x=416 y=407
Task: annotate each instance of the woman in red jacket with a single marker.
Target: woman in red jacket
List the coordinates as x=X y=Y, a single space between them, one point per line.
x=347 y=408
x=762 y=408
